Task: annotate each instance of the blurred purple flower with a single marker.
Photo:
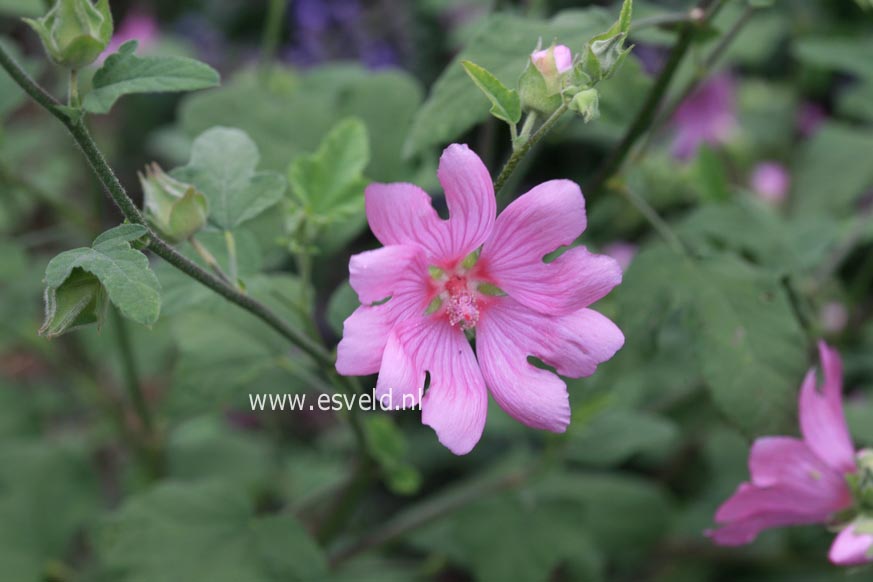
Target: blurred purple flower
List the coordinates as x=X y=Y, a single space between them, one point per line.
x=810 y=116
x=771 y=182
x=651 y=57
x=623 y=253
x=707 y=116
x=138 y=26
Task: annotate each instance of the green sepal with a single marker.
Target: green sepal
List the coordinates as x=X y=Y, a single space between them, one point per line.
x=74 y=32
x=535 y=93
x=80 y=300
x=606 y=51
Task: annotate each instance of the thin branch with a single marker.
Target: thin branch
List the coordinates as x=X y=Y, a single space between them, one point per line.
x=130 y=211
x=646 y=115
x=522 y=151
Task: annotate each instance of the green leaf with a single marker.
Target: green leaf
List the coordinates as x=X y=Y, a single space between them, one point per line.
x=505 y=102
x=618 y=435
x=835 y=150
x=49 y=494
x=124 y=73
x=222 y=166
x=837 y=53
x=502 y=46
x=342 y=304
x=290 y=115
x=122 y=271
x=168 y=532
x=387 y=445
x=329 y=184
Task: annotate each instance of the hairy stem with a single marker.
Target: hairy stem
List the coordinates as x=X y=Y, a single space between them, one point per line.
x=130 y=211
x=524 y=148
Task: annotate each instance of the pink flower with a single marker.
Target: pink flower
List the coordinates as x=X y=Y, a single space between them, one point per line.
x=798 y=481
x=135 y=26
x=707 y=116
x=438 y=289
x=622 y=252
x=833 y=317
x=553 y=60
x=771 y=181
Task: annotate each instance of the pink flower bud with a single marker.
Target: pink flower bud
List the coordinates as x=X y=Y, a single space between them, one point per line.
x=771 y=182
x=555 y=60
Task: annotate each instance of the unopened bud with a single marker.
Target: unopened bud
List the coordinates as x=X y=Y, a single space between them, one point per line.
x=541 y=83
x=176 y=209
x=587 y=104
x=74 y=32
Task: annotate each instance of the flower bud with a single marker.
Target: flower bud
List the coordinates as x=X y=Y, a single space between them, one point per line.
x=587 y=104
x=176 y=209
x=74 y=32
x=542 y=81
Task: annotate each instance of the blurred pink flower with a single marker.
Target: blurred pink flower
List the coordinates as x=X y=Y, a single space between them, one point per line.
x=439 y=287
x=622 y=252
x=796 y=481
x=810 y=116
x=135 y=26
x=707 y=116
x=557 y=59
x=771 y=182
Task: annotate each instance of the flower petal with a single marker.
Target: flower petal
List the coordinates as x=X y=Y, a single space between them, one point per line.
x=402 y=214
x=790 y=462
x=574 y=344
x=377 y=274
x=366 y=331
x=851 y=548
x=822 y=421
x=549 y=216
x=456 y=403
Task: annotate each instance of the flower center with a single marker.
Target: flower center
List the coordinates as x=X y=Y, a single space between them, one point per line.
x=461 y=304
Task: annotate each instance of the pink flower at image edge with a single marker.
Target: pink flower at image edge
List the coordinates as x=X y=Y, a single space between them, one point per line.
x=518 y=305
x=801 y=481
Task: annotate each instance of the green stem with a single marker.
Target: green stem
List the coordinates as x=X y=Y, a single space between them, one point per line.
x=708 y=65
x=131 y=374
x=653 y=218
x=230 y=241
x=272 y=31
x=525 y=147
x=348 y=500
x=646 y=115
x=73 y=99
x=209 y=259
x=527 y=127
x=429 y=511
x=130 y=211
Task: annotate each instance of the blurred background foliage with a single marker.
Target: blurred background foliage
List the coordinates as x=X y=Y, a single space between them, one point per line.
x=716 y=347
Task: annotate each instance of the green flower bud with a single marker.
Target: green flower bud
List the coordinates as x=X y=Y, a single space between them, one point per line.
x=81 y=300
x=74 y=32
x=586 y=103
x=177 y=210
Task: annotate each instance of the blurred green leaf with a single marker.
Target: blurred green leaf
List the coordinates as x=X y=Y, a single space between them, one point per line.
x=48 y=494
x=22 y=7
x=502 y=46
x=342 y=304
x=833 y=170
x=222 y=166
x=179 y=532
x=837 y=53
x=387 y=445
x=615 y=436
x=124 y=73
x=123 y=272
x=291 y=114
